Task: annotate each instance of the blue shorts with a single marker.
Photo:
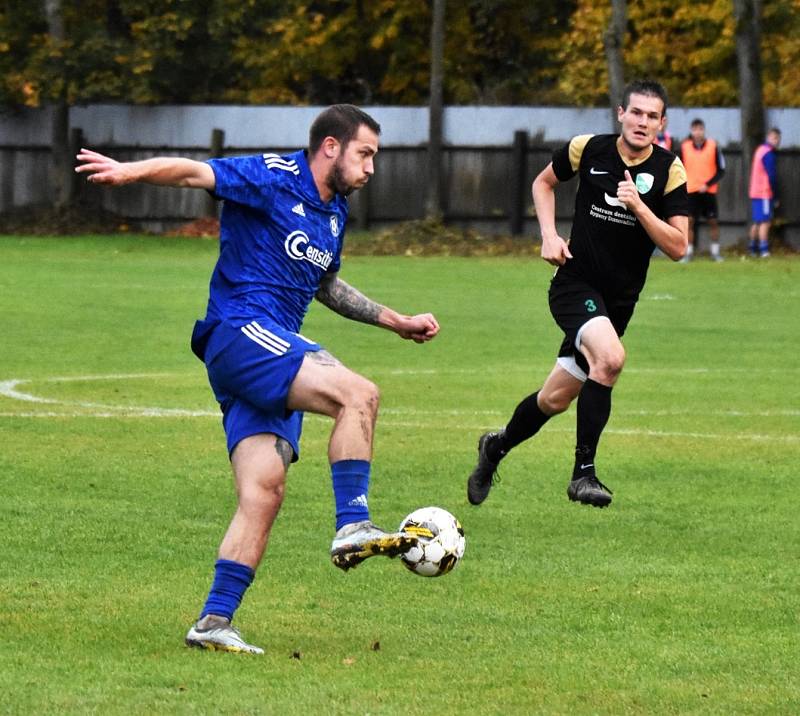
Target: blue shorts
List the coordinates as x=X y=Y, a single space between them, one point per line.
x=251 y=368
x=762 y=210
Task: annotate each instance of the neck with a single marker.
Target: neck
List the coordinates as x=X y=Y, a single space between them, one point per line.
x=320 y=171
x=629 y=153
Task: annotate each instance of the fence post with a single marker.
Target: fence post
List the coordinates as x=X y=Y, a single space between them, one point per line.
x=78 y=183
x=215 y=151
x=362 y=208
x=519 y=189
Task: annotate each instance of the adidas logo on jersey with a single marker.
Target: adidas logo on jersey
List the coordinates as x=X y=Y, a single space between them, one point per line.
x=298 y=209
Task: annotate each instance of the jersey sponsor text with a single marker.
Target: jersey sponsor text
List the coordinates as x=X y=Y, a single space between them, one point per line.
x=298 y=247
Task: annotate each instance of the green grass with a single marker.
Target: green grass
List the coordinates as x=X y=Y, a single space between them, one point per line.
x=682 y=597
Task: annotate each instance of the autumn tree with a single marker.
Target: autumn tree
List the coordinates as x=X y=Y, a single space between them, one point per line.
x=613 y=42
x=323 y=51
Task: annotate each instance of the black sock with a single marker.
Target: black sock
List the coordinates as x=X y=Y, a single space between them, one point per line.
x=594 y=407
x=525 y=423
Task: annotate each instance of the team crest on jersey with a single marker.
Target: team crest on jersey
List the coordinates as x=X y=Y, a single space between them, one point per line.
x=644 y=182
x=298 y=247
x=334 y=226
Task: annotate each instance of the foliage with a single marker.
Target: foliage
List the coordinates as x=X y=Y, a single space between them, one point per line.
x=322 y=51
x=688 y=46
x=781 y=53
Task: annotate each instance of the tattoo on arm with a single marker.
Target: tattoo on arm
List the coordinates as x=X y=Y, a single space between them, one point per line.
x=347 y=301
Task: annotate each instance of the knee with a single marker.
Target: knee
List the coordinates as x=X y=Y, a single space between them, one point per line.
x=263 y=496
x=608 y=368
x=364 y=395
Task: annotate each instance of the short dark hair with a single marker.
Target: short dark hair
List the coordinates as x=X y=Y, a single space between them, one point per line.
x=774 y=130
x=697 y=122
x=340 y=121
x=646 y=87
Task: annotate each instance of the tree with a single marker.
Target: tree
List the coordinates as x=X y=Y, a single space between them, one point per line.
x=377 y=52
x=747 y=14
x=613 y=41
x=433 y=202
x=61 y=162
x=780 y=52
x=687 y=46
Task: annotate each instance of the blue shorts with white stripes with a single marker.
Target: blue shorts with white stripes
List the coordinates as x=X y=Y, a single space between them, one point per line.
x=251 y=368
x=762 y=210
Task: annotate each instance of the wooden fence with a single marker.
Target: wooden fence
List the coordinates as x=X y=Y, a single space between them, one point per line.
x=485 y=187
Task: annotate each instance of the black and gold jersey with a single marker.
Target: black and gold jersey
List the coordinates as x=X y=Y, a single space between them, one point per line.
x=610 y=248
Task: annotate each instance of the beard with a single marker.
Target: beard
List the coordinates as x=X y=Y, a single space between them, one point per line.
x=336 y=181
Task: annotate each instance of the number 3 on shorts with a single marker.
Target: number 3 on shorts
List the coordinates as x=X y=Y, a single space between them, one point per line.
x=590 y=305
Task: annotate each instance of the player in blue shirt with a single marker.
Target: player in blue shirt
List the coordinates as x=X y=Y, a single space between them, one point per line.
x=282 y=226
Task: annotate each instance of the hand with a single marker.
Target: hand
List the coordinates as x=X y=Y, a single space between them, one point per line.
x=555 y=250
x=420 y=328
x=627 y=192
x=703 y=189
x=102 y=169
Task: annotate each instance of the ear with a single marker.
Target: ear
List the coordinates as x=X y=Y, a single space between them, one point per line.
x=620 y=112
x=330 y=147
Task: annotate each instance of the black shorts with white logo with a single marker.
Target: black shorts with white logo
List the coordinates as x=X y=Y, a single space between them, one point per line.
x=573 y=303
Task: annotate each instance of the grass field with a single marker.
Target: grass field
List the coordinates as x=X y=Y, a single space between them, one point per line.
x=682 y=597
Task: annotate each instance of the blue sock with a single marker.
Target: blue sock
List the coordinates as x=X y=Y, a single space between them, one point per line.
x=350 y=490
x=231 y=580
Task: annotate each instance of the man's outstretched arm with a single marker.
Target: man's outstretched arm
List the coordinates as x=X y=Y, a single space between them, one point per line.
x=349 y=302
x=163 y=171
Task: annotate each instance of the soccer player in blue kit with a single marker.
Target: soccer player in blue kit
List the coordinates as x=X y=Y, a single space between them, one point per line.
x=282 y=226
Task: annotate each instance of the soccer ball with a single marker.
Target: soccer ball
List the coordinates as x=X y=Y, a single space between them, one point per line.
x=441 y=541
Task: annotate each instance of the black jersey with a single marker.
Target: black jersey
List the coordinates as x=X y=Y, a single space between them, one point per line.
x=610 y=248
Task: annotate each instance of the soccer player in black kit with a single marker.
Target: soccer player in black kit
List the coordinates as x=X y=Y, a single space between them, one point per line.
x=631 y=199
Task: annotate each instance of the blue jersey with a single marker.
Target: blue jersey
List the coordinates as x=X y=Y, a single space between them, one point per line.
x=277 y=239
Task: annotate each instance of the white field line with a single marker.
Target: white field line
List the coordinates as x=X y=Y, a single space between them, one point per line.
x=8 y=389
x=391 y=417
x=475 y=427
x=542 y=370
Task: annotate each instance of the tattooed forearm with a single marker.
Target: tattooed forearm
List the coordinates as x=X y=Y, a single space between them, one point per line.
x=348 y=301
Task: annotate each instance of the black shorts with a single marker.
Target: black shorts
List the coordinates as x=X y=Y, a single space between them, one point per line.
x=702 y=206
x=573 y=303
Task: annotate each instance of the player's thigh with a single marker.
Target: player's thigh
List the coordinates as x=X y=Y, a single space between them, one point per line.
x=260 y=463
x=256 y=363
x=710 y=210
x=572 y=304
x=695 y=205
x=324 y=385
x=603 y=349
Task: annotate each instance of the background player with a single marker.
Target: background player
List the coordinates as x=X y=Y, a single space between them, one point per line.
x=631 y=198
x=763 y=192
x=705 y=166
x=282 y=226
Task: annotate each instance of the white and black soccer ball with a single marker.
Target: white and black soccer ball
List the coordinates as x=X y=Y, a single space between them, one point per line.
x=441 y=541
